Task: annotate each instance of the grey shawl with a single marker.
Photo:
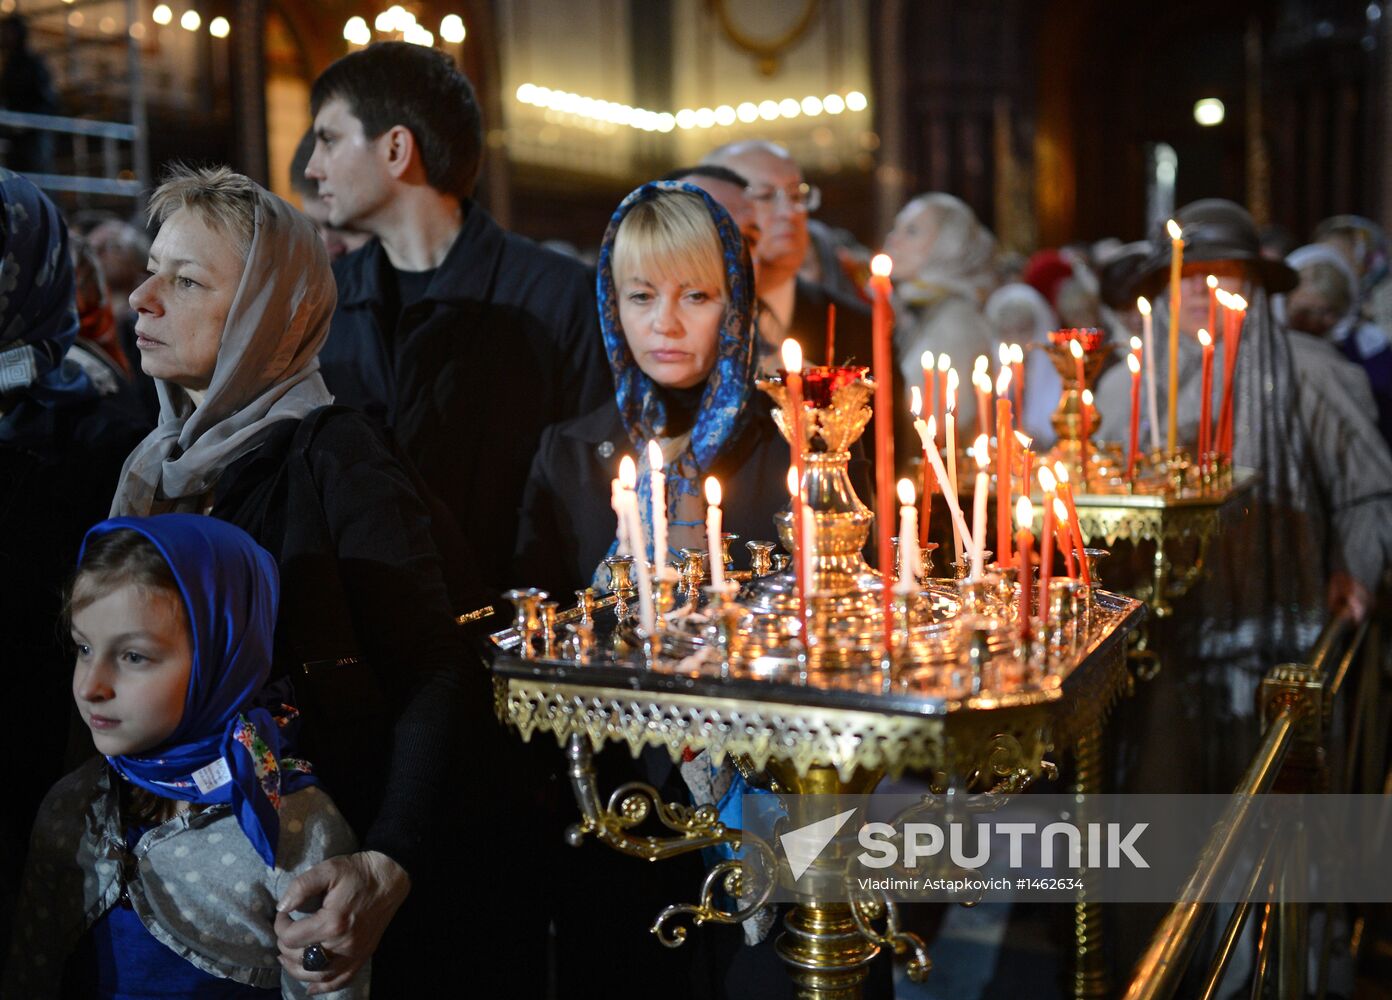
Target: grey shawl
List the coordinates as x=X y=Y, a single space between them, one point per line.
x=267 y=370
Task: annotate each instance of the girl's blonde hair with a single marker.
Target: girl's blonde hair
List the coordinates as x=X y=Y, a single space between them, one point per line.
x=669 y=236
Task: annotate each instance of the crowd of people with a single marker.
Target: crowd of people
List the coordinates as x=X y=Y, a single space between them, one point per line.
x=252 y=470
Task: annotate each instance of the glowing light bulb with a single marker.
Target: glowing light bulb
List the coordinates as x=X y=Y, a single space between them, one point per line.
x=162 y=14
x=190 y=20
x=452 y=29
x=219 y=27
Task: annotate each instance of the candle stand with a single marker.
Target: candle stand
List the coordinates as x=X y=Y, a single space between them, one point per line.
x=951 y=686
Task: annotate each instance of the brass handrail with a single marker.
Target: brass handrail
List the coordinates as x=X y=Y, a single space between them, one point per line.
x=1158 y=973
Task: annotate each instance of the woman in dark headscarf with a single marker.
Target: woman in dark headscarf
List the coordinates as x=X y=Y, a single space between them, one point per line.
x=61 y=443
x=230 y=322
x=676 y=311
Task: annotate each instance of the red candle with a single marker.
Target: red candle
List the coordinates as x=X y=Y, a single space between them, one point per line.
x=1134 y=364
x=1237 y=313
x=926 y=502
x=792 y=367
x=1046 y=558
x=831 y=335
x=1024 y=542
x=1004 y=439
x=882 y=330
x=930 y=381
x=1026 y=461
x=1212 y=283
x=1050 y=486
x=1206 y=403
x=940 y=391
x=1085 y=405
x=1067 y=492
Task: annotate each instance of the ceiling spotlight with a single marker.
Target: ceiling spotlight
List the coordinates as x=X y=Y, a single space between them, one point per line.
x=1209 y=111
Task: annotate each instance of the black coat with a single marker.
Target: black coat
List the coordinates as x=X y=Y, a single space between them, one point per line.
x=506 y=342
x=568 y=524
x=808 y=324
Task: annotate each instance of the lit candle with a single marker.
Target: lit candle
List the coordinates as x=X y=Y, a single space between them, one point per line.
x=1063 y=534
x=1024 y=542
x=983 y=486
x=908 y=539
x=940 y=391
x=658 y=479
x=1075 y=348
x=1026 y=461
x=831 y=335
x=1049 y=485
x=1237 y=312
x=926 y=362
x=882 y=329
x=1206 y=402
x=1066 y=491
x=1003 y=356
x=1212 y=282
x=632 y=526
x=981 y=382
x=1176 y=264
x=1046 y=556
x=950 y=438
x=713 y=544
x=804 y=551
x=1085 y=405
x=1143 y=306
x=1134 y=364
x=1017 y=362
x=927 y=432
x=916 y=408
x=792 y=368
x=1004 y=463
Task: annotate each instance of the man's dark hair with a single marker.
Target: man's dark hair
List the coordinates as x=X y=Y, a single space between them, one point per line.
x=397 y=83
x=298 y=181
x=714 y=172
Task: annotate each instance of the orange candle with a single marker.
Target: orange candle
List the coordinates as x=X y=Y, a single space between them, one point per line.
x=882 y=330
x=1026 y=461
x=1206 y=402
x=1134 y=364
x=916 y=407
x=831 y=335
x=792 y=368
x=1046 y=558
x=1212 y=283
x=1176 y=268
x=1237 y=313
x=1004 y=439
x=1024 y=543
x=1066 y=491
x=1049 y=485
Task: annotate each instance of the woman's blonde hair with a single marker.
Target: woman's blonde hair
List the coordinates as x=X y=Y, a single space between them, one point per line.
x=669 y=236
x=224 y=199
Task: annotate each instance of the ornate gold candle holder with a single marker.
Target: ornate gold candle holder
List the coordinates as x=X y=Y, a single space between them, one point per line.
x=1068 y=417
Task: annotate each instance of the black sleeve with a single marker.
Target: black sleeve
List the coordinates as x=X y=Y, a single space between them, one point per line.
x=400 y=611
x=587 y=382
x=542 y=545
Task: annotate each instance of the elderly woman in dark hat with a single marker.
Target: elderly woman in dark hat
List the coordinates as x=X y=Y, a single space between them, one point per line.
x=1317 y=536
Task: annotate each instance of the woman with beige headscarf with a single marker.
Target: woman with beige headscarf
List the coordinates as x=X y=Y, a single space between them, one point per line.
x=229 y=324
x=944 y=270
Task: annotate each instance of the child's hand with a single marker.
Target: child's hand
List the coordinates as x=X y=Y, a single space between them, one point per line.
x=361 y=895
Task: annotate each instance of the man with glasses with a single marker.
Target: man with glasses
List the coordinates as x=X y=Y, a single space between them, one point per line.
x=794 y=307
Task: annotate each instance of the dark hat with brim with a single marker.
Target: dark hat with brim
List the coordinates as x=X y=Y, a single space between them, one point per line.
x=1217 y=232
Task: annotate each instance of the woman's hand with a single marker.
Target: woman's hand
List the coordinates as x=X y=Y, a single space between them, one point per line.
x=361 y=895
x=1346 y=593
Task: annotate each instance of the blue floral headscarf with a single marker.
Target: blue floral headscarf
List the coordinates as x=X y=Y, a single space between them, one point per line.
x=228 y=746
x=38 y=308
x=724 y=400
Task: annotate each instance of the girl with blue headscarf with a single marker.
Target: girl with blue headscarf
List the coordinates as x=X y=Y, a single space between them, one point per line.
x=155 y=869
x=676 y=309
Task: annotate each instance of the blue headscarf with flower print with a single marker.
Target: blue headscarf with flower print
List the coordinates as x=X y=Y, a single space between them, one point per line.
x=38 y=308
x=232 y=744
x=724 y=401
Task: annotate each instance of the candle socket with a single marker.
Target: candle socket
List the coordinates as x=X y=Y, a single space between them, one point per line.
x=548 y=629
x=1094 y=559
x=760 y=557
x=925 y=558
x=727 y=560
x=724 y=616
x=1007 y=579
x=1066 y=603
x=527 y=620
x=585 y=602
x=973 y=668
x=961 y=568
x=1067 y=418
x=620 y=584
x=979 y=598
x=579 y=643
x=666 y=593
x=693 y=575
x=781 y=562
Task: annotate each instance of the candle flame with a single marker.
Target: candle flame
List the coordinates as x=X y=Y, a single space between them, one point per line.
x=1143 y=305
x=713 y=491
x=1173 y=229
x=1224 y=299
x=952 y=380
x=1087 y=397
x=982 y=363
x=1238 y=303
x=1017 y=354
x=1211 y=281
x=981 y=450
x=655 y=462
x=981 y=380
x=1075 y=348
x=931 y=426
x=907 y=496
x=1003 y=352
x=1024 y=512
x=1047 y=480
x=881 y=265
x=1024 y=439
x=1060 y=510
x=1136 y=344
x=1061 y=471
x=1133 y=363
x=915 y=400
x=792 y=356
x=1003 y=381
x=792 y=482
x=628 y=472
x=1204 y=339
x=944 y=363
x=925 y=361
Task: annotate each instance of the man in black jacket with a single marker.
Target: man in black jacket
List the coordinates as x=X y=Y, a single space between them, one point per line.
x=463 y=339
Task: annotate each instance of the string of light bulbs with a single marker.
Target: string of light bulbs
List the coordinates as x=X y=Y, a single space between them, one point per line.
x=397 y=20
x=725 y=115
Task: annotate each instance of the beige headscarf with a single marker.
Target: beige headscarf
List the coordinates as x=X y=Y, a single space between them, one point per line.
x=267 y=370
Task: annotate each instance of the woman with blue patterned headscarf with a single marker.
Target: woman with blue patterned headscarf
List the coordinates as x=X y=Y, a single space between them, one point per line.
x=676 y=309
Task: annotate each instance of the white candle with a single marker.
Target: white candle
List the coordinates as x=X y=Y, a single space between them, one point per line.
x=659 y=507
x=983 y=486
x=1149 y=351
x=717 y=550
x=950 y=432
x=809 y=545
x=631 y=523
x=908 y=539
x=927 y=432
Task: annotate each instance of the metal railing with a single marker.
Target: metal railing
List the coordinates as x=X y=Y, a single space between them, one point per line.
x=1297 y=703
x=82 y=130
